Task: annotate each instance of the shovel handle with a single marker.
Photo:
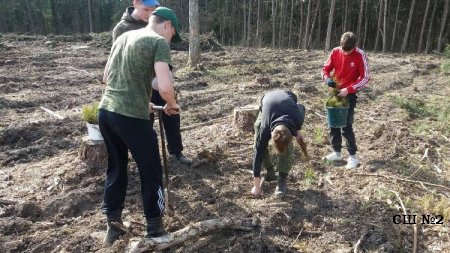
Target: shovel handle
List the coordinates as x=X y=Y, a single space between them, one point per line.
x=158 y=108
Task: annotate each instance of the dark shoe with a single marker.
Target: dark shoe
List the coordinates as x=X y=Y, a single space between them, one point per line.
x=113 y=232
x=181 y=159
x=281 y=189
x=270 y=176
x=155 y=227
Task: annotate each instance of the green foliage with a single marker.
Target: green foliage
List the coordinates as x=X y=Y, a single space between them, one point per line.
x=89 y=113
x=415 y=107
x=319 y=135
x=310 y=176
x=438 y=110
x=335 y=101
x=434 y=204
x=225 y=71
x=445 y=67
x=441 y=112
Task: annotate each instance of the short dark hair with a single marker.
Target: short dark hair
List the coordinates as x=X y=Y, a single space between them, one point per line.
x=348 y=41
x=159 y=19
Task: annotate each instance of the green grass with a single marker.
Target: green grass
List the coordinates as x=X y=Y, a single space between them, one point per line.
x=437 y=112
x=225 y=71
x=309 y=176
x=445 y=67
x=415 y=108
x=319 y=135
x=435 y=205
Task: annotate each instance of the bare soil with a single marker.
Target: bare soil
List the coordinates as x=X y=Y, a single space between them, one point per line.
x=58 y=198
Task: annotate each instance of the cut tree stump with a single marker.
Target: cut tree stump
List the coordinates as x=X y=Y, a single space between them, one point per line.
x=195 y=230
x=93 y=153
x=245 y=117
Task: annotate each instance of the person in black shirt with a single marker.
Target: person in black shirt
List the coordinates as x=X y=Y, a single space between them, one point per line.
x=280 y=119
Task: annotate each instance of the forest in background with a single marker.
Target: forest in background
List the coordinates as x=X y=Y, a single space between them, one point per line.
x=381 y=25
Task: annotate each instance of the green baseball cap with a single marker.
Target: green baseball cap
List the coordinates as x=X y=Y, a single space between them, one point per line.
x=168 y=14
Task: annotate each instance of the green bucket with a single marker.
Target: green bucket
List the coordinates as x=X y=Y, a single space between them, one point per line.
x=337 y=117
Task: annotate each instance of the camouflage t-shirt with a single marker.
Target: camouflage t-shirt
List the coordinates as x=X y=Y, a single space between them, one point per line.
x=131 y=70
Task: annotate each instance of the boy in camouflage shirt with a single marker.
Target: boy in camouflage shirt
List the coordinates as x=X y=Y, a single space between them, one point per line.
x=136 y=17
x=136 y=58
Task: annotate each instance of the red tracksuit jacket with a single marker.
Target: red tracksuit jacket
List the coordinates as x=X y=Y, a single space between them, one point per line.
x=350 y=71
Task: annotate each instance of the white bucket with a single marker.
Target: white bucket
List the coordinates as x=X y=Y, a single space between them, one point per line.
x=94 y=132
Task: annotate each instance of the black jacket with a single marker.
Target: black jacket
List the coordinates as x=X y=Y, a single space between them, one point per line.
x=277 y=108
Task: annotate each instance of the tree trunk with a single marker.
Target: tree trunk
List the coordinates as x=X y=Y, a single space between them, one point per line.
x=282 y=24
x=430 y=29
x=330 y=25
x=43 y=29
x=273 y=23
x=258 y=20
x=30 y=16
x=291 y=23
x=360 y=20
x=385 y=25
x=249 y=23
x=194 y=34
x=222 y=22
x=380 y=17
x=424 y=23
x=301 y=25
x=344 y=27
x=55 y=22
x=316 y=13
x=76 y=17
x=408 y=27
x=233 y=29
x=443 y=23
x=244 y=36
x=308 y=18
x=90 y=16
x=182 y=16
x=3 y=18
x=365 y=24
x=394 y=33
x=319 y=25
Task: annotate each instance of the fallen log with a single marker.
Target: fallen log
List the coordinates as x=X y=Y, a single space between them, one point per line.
x=403 y=180
x=159 y=243
x=54 y=114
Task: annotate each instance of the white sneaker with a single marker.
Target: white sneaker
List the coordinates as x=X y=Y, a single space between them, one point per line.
x=335 y=156
x=352 y=162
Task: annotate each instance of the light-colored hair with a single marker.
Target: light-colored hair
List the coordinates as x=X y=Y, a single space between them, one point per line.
x=281 y=138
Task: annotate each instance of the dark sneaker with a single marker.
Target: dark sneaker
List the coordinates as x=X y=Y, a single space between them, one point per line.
x=270 y=176
x=180 y=158
x=281 y=189
x=155 y=227
x=113 y=232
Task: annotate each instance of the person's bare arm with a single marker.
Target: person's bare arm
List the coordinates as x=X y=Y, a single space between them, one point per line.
x=105 y=73
x=165 y=87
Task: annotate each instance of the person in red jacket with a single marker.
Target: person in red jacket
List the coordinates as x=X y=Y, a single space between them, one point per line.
x=351 y=74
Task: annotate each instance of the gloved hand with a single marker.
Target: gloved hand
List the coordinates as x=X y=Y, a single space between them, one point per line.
x=330 y=83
